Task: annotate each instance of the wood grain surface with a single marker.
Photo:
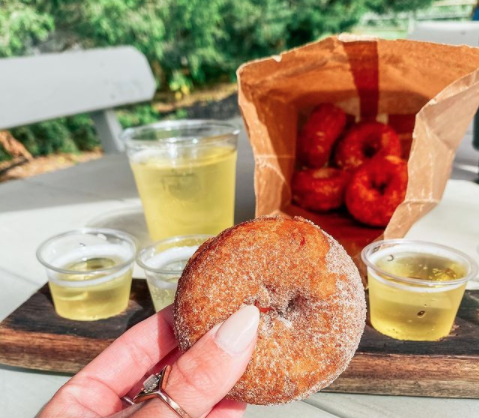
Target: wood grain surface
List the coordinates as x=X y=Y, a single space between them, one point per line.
x=34 y=337
x=446 y=368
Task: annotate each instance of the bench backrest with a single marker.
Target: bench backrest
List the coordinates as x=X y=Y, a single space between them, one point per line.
x=42 y=87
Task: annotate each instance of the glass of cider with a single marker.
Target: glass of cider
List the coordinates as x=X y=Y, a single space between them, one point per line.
x=89 y=272
x=185 y=175
x=415 y=287
x=164 y=262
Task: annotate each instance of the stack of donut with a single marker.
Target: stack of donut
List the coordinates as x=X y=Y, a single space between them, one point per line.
x=358 y=165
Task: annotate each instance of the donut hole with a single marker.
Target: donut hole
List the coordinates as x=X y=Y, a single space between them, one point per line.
x=380 y=187
x=370 y=147
x=277 y=303
x=381 y=181
x=295 y=304
x=279 y=306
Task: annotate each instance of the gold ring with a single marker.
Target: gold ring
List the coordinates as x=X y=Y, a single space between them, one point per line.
x=154 y=387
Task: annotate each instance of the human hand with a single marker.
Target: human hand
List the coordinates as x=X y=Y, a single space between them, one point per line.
x=198 y=381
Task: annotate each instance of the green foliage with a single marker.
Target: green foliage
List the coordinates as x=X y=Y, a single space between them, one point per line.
x=77 y=133
x=4 y=155
x=22 y=26
x=137 y=115
x=191 y=37
x=82 y=132
x=388 y=6
x=72 y=135
x=102 y=23
x=187 y=42
x=180 y=114
x=180 y=83
x=46 y=138
x=252 y=29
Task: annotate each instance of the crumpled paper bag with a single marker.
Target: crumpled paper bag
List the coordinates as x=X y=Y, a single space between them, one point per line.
x=427 y=92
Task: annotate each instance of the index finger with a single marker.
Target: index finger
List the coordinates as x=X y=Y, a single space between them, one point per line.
x=101 y=384
x=130 y=356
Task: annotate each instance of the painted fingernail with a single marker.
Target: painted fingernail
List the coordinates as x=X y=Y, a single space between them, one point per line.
x=238 y=331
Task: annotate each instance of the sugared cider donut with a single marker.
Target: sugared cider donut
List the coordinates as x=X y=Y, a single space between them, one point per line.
x=307 y=289
x=376 y=190
x=320 y=189
x=365 y=141
x=317 y=138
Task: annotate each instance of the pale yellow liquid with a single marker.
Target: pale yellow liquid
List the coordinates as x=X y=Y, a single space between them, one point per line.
x=162 y=297
x=163 y=285
x=414 y=312
x=91 y=302
x=189 y=193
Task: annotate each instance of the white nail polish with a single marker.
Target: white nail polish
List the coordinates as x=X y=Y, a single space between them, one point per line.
x=238 y=331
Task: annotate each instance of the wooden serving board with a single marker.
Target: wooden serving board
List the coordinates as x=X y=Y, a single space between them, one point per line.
x=34 y=337
x=445 y=369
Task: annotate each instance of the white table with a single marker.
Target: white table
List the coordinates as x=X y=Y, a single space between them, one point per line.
x=33 y=209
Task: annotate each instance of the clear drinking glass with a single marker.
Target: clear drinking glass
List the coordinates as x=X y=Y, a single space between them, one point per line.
x=415 y=287
x=164 y=262
x=185 y=175
x=89 y=272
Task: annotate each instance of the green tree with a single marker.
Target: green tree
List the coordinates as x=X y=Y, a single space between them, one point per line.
x=187 y=42
x=22 y=26
x=191 y=39
x=388 y=6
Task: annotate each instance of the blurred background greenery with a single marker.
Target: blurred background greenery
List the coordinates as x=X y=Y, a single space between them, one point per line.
x=190 y=44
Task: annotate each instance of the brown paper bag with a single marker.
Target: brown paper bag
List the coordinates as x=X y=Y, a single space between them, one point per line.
x=427 y=92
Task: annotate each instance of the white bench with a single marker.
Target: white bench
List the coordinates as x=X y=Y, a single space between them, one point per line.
x=43 y=87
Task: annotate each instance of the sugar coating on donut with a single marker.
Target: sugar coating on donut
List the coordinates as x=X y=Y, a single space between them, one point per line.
x=320 y=189
x=376 y=190
x=309 y=293
x=364 y=141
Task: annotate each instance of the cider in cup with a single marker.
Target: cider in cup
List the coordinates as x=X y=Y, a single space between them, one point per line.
x=415 y=287
x=185 y=175
x=89 y=272
x=164 y=262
